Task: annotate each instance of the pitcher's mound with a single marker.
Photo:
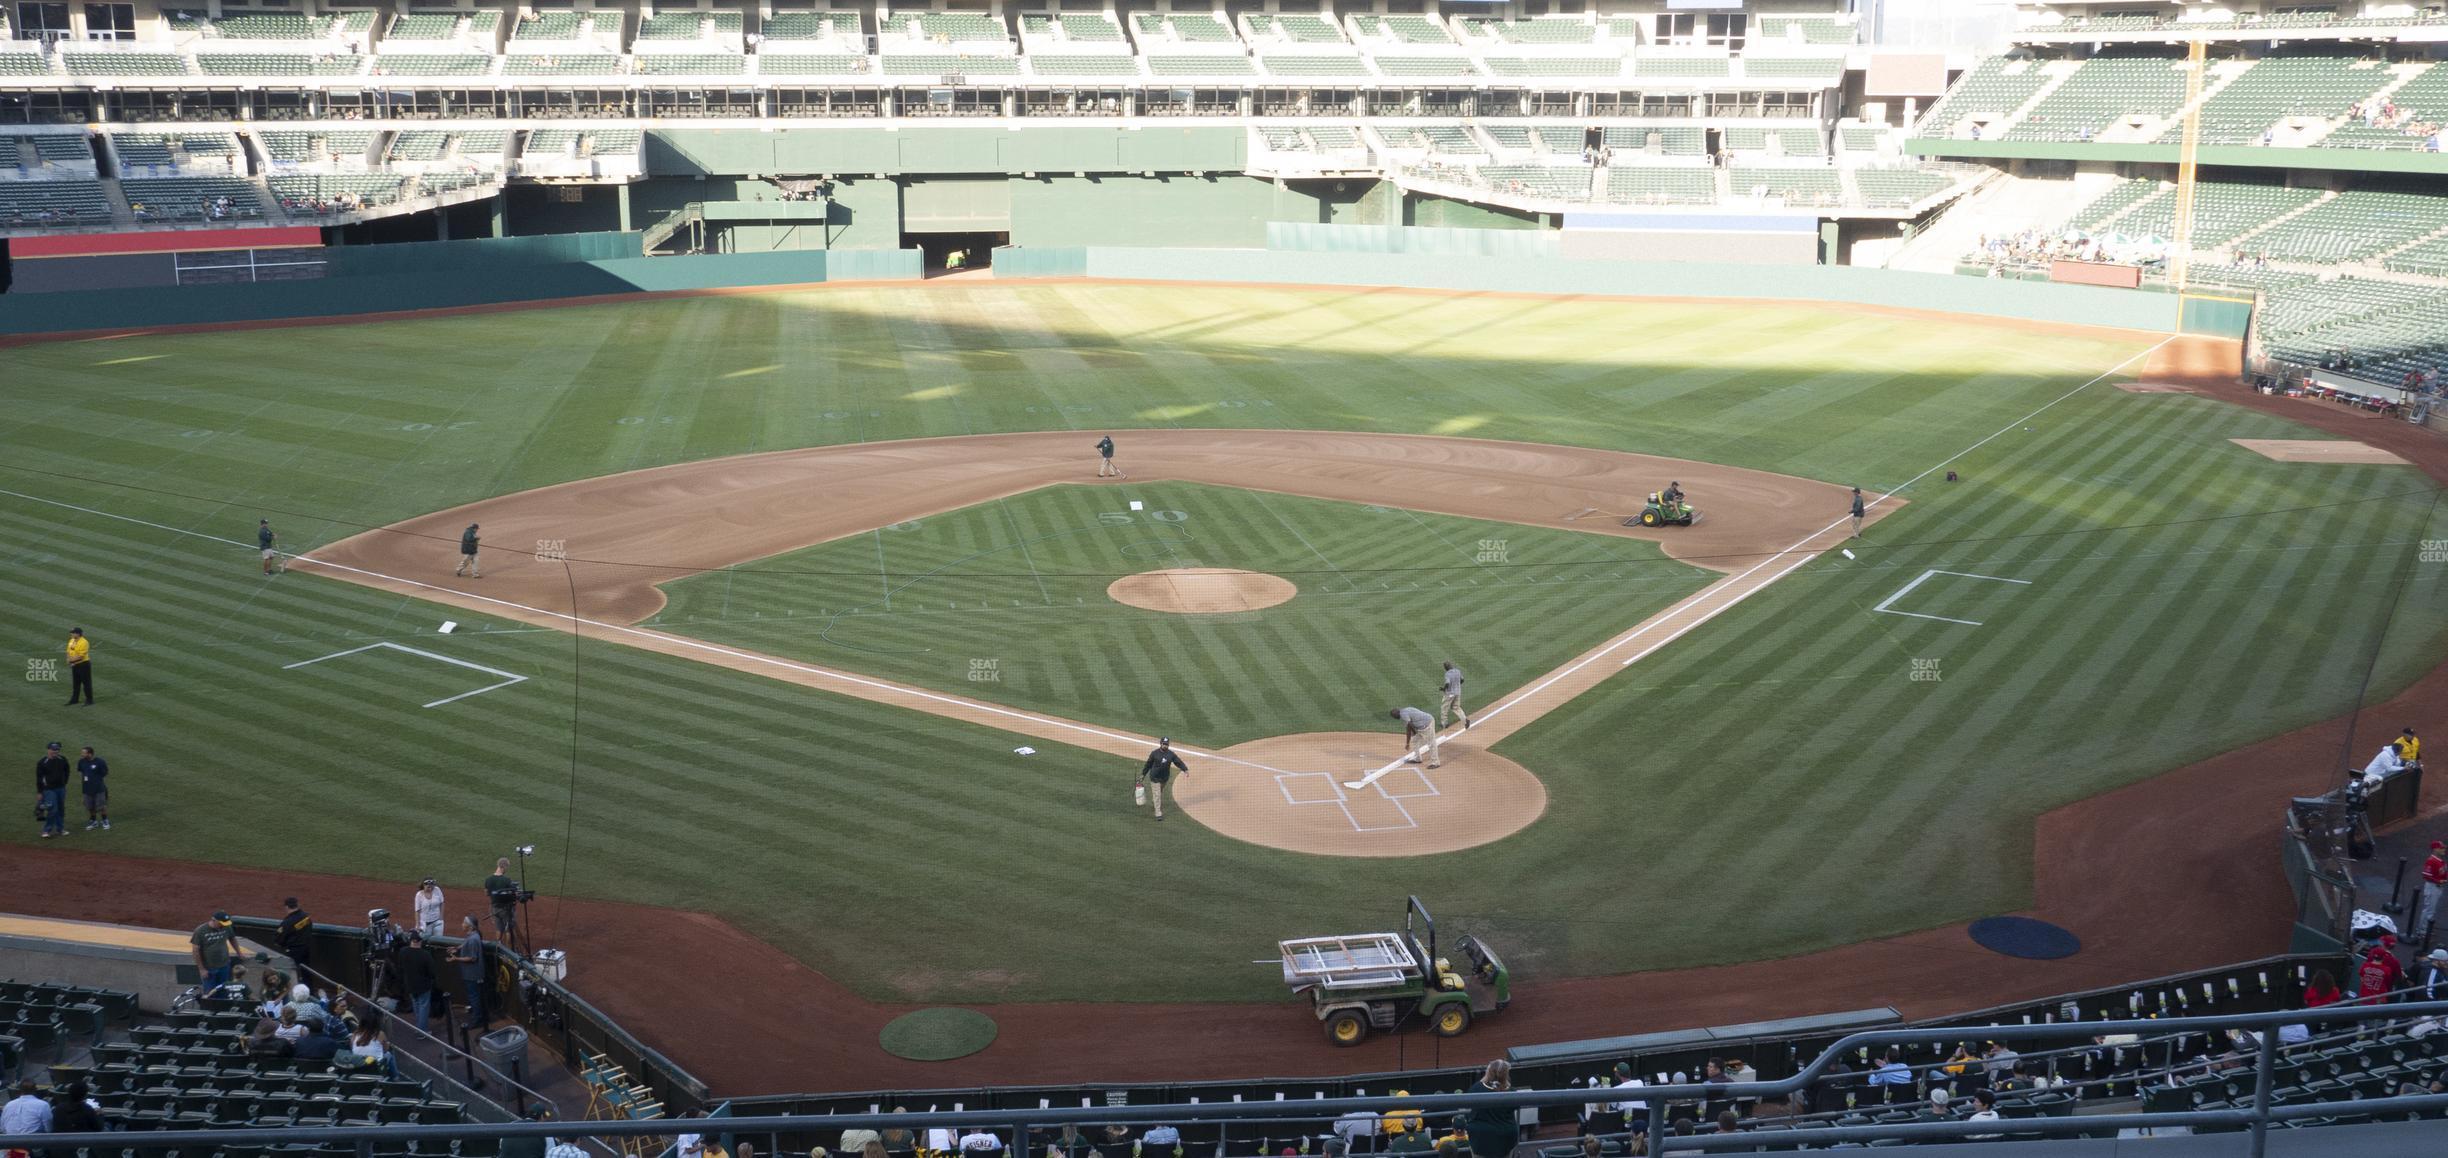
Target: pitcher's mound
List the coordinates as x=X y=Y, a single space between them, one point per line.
x=1201 y=590
x=1289 y=794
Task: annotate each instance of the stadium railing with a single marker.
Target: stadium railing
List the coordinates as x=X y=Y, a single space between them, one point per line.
x=2254 y=1119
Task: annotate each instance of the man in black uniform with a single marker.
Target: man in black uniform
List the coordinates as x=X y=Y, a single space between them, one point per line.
x=93 y=774
x=295 y=932
x=51 y=790
x=1159 y=769
x=467 y=554
x=1105 y=465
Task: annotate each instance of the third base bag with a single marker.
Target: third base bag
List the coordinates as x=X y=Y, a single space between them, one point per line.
x=1139 y=795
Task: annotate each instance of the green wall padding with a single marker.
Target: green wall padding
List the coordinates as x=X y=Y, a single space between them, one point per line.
x=479 y=253
x=1411 y=239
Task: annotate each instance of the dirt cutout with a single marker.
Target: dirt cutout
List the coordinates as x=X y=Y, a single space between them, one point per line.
x=2319 y=450
x=1201 y=590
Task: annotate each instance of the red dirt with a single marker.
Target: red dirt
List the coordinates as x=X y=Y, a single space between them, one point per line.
x=2175 y=873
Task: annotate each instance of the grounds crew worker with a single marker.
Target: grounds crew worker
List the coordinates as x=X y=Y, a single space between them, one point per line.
x=1105 y=464
x=1452 y=700
x=51 y=790
x=1160 y=767
x=467 y=553
x=80 y=666
x=264 y=538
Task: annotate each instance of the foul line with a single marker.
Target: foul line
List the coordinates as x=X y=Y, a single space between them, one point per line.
x=508 y=678
x=1907 y=589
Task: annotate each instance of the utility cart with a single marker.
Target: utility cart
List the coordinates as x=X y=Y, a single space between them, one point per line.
x=1362 y=981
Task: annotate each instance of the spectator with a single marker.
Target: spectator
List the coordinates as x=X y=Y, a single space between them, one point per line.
x=74 y=1111
x=980 y=1142
x=211 y=943
x=852 y=1141
x=1160 y=1137
x=290 y=1030
x=366 y=1049
x=469 y=956
x=2434 y=878
x=309 y=1011
x=1984 y=1109
x=691 y=1144
x=1496 y=1129
x=1728 y=1122
x=1891 y=1070
x=416 y=974
x=428 y=905
x=2380 y=975
x=1997 y=1061
x=266 y=1041
x=1632 y=1112
x=2320 y=992
x=2431 y=983
x=26 y=1113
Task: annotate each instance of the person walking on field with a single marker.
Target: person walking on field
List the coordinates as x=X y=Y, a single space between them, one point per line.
x=1105 y=463
x=428 y=906
x=93 y=776
x=1419 y=735
x=1857 y=512
x=1158 y=771
x=1452 y=700
x=264 y=538
x=51 y=790
x=80 y=666
x=467 y=554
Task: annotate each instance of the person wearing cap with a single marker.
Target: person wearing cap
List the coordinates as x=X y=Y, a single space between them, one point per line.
x=212 y=943
x=2380 y=975
x=1158 y=771
x=1857 y=512
x=1633 y=1112
x=51 y=790
x=467 y=554
x=93 y=779
x=2409 y=747
x=2434 y=879
x=428 y=907
x=80 y=666
x=2431 y=979
x=264 y=538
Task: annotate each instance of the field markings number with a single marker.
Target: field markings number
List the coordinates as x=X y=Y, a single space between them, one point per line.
x=508 y=678
x=1907 y=589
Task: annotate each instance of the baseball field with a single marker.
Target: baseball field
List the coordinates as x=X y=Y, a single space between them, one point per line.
x=788 y=688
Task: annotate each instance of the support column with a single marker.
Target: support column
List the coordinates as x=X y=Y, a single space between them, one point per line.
x=500 y=211
x=622 y=192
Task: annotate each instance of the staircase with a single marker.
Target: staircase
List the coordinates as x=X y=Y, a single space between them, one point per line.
x=2403 y=78
x=2007 y=205
x=2239 y=241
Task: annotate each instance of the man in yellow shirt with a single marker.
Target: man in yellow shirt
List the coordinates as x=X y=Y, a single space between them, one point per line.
x=2409 y=747
x=80 y=667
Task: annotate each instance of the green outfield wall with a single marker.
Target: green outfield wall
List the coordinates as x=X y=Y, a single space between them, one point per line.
x=478 y=273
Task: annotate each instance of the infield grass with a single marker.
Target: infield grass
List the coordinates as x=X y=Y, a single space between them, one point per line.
x=2184 y=596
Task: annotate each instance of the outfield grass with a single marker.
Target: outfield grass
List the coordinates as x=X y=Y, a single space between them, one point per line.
x=1781 y=763
x=1006 y=601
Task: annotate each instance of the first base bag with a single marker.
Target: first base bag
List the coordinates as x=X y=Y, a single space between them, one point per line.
x=1139 y=795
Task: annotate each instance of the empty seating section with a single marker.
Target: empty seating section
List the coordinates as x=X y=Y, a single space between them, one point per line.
x=2429 y=259
x=1424 y=65
x=1551 y=182
x=1669 y=140
x=615 y=142
x=1993 y=88
x=1507 y=136
x=1858 y=138
x=1417 y=30
x=552 y=143
x=1306 y=29
x=272 y=26
x=1403 y=137
x=1451 y=139
x=2392 y=327
x=423 y=26
x=1793 y=184
x=325 y=193
x=944 y=64
x=672 y=26
x=89 y=62
x=1285 y=140
x=1211 y=64
x=1106 y=64
x=191 y=198
x=2221 y=212
x=1681 y=67
x=1334 y=136
x=279 y=63
x=1282 y=64
x=27 y=61
x=690 y=63
x=25 y=203
x=433 y=64
x=2295 y=86
x=547 y=26
x=1546 y=30
x=484 y=142
x=1789 y=141
x=1808 y=29
x=1661 y=185
x=1562 y=138
x=1554 y=65
x=2351 y=226
x=809 y=64
x=1883 y=188
x=419 y=145
x=812 y=26
x=141 y=150
x=956 y=27
x=2101 y=93
x=561 y=64
x=1199 y=28
x=1823 y=71
x=1089 y=28
x=2122 y=196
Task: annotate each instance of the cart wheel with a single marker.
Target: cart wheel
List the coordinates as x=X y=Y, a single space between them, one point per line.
x=1649 y=518
x=1346 y=1028
x=1451 y=1020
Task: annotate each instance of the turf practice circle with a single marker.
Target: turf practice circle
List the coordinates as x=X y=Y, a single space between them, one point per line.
x=938 y=1034
x=1201 y=590
x=2024 y=937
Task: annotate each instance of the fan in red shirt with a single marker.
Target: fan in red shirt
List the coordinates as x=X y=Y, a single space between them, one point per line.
x=2380 y=974
x=2434 y=879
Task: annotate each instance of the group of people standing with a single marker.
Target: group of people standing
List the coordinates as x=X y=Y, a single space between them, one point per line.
x=51 y=789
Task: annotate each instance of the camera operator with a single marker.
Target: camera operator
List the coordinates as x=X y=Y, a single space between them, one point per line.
x=382 y=944
x=504 y=893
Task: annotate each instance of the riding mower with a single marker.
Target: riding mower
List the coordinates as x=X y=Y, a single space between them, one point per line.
x=1658 y=512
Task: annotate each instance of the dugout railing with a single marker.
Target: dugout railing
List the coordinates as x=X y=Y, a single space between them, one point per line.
x=2253 y=1117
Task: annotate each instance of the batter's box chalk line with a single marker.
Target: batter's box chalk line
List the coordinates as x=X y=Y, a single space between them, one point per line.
x=1342 y=799
x=507 y=678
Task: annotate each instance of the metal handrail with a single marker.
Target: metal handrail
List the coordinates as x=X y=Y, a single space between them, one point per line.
x=2257 y=1118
